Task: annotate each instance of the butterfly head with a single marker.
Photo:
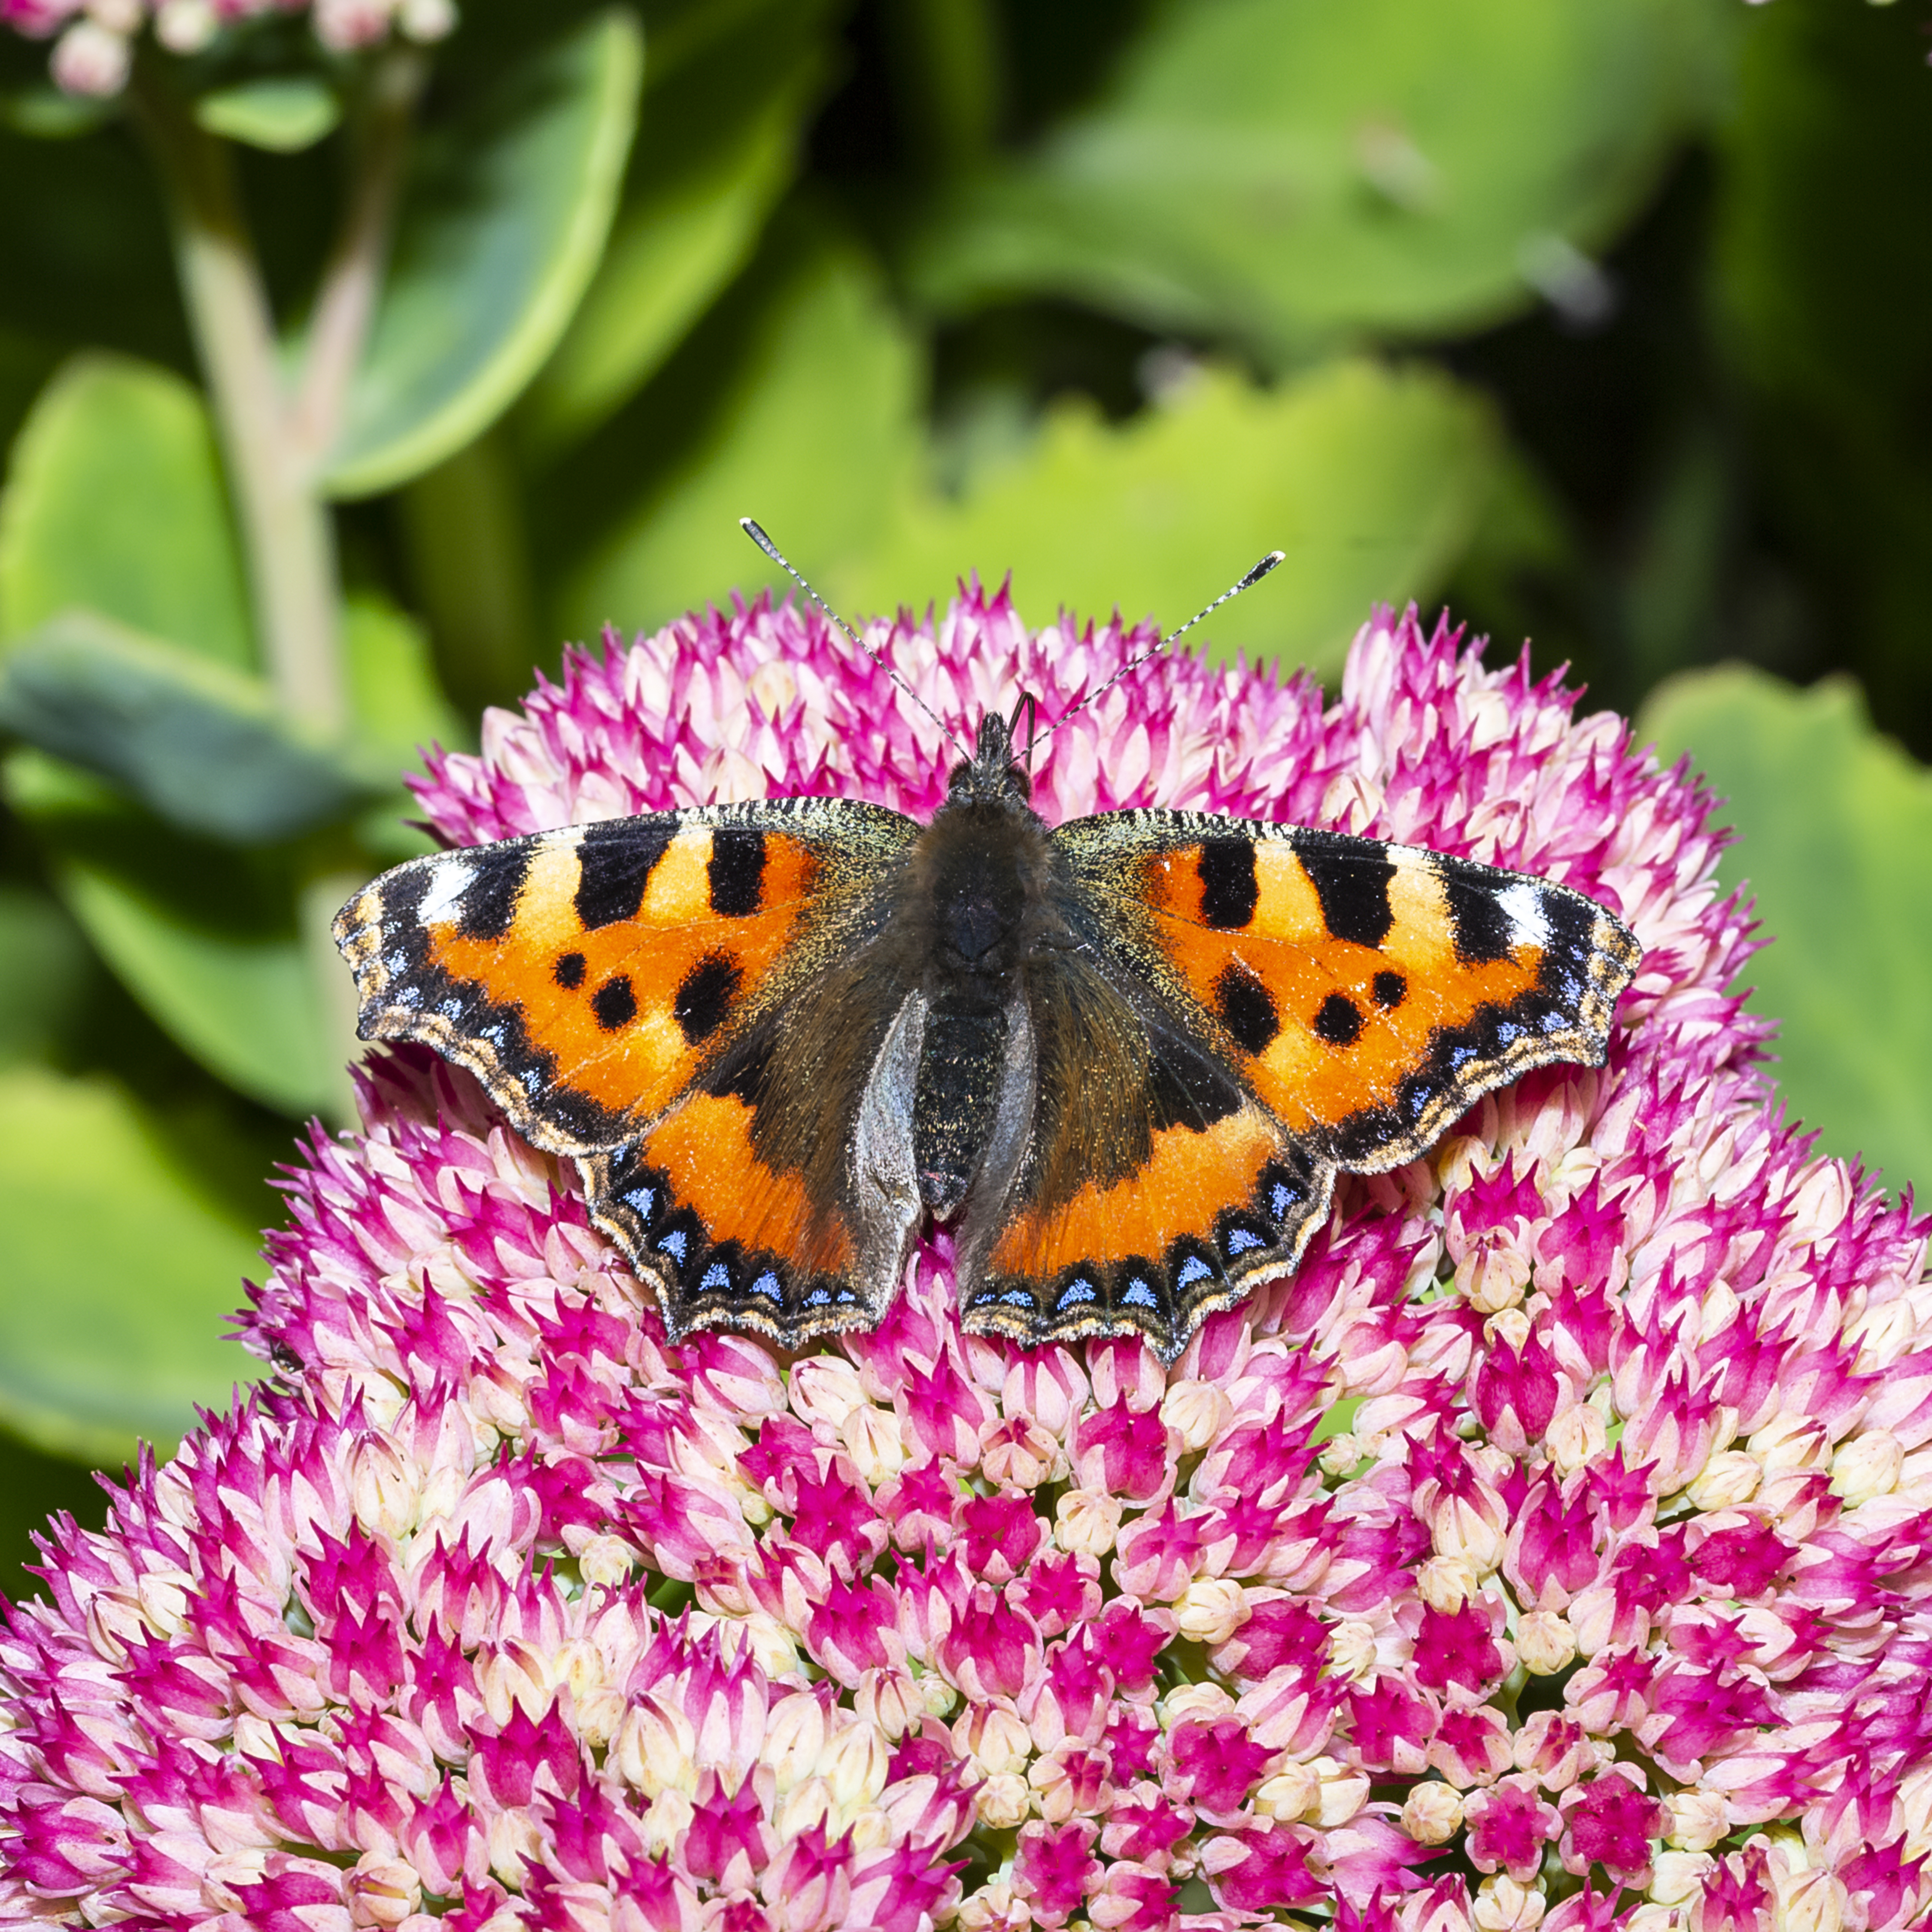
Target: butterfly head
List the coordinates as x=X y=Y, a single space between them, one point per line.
x=991 y=774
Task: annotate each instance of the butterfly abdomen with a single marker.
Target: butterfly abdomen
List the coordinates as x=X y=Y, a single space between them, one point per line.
x=977 y=885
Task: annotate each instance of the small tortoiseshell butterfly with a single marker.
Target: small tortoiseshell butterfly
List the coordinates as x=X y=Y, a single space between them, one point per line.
x=1124 y=1057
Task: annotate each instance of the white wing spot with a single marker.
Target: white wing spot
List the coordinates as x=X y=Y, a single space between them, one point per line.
x=444 y=899
x=1529 y=924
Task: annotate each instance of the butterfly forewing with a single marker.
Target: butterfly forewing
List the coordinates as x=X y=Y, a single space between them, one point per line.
x=1366 y=993
x=611 y=984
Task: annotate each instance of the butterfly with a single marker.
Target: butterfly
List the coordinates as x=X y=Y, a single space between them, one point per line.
x=1122 y=1058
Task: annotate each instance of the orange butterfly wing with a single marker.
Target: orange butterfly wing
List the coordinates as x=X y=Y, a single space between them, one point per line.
x=1366 y=993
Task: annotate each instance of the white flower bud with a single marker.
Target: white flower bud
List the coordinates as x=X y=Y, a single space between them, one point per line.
x=1502 y=1905
x=994 y=1737
x=1198 y=1411
x=1511 y=1327
x=426 y=22
x=1698 y=1820
x=669 y=1814
x=808 y=1803
x=1086 y=1523
x=600 y=1715
x=1460 y=1529
x=1340 y=1456
x=1725 y=1481
x=88 y=60
x=1492 y=1278
x=826 y=1389
x=1352 y=1649
x=164 y=1595
x=514 y=1841
x=1003 y=1801
x=1677 y=1877
x=871 y=1438
x=1576 y=1438
x=656 y=1749
x=607 y=1561
x=774 y=1645
x=382 y=1890
x=1867 y=1465
x=1204 y=1702
x=1290 y=1792
x=1446 y=1583
x=889 y=1698
x=1545 y=1643
x=1211 y=1609
x=795 y=1735
x=854 y=1764
x=1809 y=1901
x=1432 y=1814
x=1341 y=1792
x=186 y=26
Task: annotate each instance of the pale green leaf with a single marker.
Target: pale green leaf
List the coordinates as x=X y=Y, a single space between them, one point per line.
x=810 y=430
x=1834 y=844
x=283 y=114
x=121 y=1271
x=115 y=502
x=1370 y=480
x=503 y=221
x=400 y=711
x=1284 y=169
x=717 y=147
x=209 y=939
x=204 y=746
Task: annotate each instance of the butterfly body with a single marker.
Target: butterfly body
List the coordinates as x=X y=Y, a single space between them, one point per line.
x=1122 y=1059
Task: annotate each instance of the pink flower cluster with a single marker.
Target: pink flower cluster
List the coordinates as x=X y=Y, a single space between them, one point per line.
x=94 y=53
x=1551 y=1549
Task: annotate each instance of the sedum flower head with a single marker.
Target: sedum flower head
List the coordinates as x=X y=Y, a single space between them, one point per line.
x=1550 y=1550
x=94 y=39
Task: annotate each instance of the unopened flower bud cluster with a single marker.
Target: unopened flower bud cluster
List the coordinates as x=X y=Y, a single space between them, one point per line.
x=94 y=39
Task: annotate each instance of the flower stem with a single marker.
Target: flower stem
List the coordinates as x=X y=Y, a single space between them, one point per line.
x=287 y=537
x=346 y=302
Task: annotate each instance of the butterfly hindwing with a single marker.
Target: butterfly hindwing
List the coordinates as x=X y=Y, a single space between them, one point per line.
x=1366 y=993
x=617 y=986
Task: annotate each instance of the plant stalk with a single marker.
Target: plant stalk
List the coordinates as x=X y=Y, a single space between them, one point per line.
x=346 y=302
x=287 y=536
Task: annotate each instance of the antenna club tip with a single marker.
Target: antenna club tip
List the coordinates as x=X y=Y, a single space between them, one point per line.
x=1261 y=569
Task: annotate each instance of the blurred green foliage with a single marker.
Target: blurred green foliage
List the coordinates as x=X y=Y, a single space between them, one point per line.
x=1602 y=320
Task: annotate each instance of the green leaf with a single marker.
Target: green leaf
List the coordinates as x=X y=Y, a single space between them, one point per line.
x=503 y=220
x=283 y=114
x=400 y=711
x=794 y=405
x=718 y=145
x=120 y=1269
x=206 y=747
x=1284 y=170
x=208 y=938
x=1370 y=479
x=115 y=502
x=1835 y=827
x=44 y=113
x=44 y=971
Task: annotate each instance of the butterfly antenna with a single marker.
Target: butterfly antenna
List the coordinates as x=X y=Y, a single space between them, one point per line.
x=1254 y=577
x=778 y=557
